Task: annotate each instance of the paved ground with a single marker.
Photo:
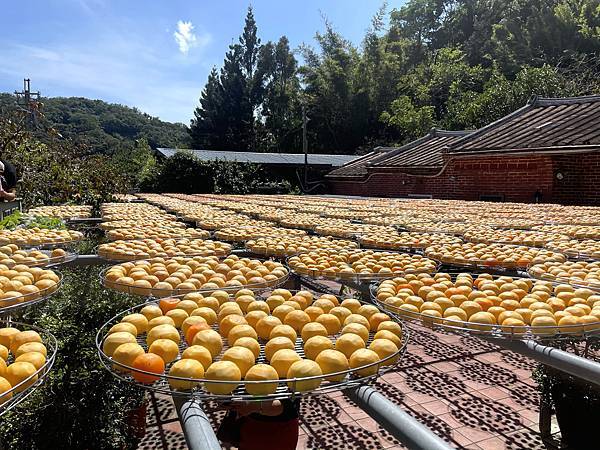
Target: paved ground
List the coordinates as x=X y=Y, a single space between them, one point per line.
x=469 y=392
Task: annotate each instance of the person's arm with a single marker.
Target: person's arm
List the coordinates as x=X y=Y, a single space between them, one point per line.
x=9 y=196
x=274 y=408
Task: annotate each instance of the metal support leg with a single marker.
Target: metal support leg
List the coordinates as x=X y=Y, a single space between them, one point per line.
x=195 y=424
x=577 y=366
x=409 y=431
x=87 y=260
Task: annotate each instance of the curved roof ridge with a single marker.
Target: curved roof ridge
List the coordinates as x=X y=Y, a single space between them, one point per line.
x=543 y=123
x=553 y=101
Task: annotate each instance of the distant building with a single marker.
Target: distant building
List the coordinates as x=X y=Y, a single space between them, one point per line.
x=396 y=172
x=282 y=167
x=269 y=159
x=547 y=151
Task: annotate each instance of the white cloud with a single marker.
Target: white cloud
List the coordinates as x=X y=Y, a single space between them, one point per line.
x=185 y=37
x=90 y=6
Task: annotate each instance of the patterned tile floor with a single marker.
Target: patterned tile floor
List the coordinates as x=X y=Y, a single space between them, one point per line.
x=469 y=392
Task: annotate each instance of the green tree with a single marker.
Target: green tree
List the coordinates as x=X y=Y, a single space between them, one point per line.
x=183 y=172
x=412 y=121
x=209 y=125
x=500 y=96
x=280 y=112
x=135 y=164
x=451 y=63
x=226 y=116
x=337 y=105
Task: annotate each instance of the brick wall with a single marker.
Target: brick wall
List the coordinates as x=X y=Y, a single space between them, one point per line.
x=581 y=178
x=590 y=179
x=516 y=179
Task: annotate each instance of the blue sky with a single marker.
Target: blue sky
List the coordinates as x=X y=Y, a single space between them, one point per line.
x=152 y=54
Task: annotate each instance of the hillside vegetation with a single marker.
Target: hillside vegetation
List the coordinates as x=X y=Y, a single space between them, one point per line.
x=105 y=127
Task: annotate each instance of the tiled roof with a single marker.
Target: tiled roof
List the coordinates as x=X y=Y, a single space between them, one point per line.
x=314 y=159
x=544 y=124
x=424 y=153
x=358 y=167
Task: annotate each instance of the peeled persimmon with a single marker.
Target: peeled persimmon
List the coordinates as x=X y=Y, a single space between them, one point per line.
x=194 y=329
x=167 y=304
x=148 y=362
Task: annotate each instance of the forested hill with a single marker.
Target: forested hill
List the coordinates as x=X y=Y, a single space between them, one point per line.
x=105 y=127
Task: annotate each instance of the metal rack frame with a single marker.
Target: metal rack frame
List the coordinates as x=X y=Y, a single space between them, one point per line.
x=286 y=387
x=41 y=373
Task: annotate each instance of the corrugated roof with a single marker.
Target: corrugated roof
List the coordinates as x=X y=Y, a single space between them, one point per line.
x=314 y=159
x=544 y=124
x=424 y=153
x=358 y=167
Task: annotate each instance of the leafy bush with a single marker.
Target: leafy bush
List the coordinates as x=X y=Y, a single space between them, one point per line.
x=18 y=219
x=50 y=223
x=137 y=164
x=57 y=171
x=80 y=405
x=12 y=221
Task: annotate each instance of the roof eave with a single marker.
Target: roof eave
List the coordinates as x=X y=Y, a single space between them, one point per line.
x=414 y=166
x=553 y=149
x=332 y=175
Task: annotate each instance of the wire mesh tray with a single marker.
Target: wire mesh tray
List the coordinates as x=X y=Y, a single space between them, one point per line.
x=512 y=332
x=579 y=255
x=48 y=245
x=356 y=278
x=24 y=300
x=223 y=236
x=163 y=222
x=11 y=398
x=505 y=241
x=389 y=247
x=495 y=265
x=271 y=252
x=411 y=247
x=48 y=261
x=162 y=292
x=318 y=274
x=575 y=282
x=181 y=233
x=286 y=388
x=110 y=256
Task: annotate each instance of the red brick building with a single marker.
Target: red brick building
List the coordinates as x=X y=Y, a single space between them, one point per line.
x=550 y=147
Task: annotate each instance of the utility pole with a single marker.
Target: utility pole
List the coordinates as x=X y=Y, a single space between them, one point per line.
x=305 y=120
x=29 y=101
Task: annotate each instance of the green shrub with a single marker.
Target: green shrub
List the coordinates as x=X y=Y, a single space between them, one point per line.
x=185 y=173
x=81 y=405
x=54 y=170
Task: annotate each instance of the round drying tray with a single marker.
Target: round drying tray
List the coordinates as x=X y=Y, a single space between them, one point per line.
x=285 y=388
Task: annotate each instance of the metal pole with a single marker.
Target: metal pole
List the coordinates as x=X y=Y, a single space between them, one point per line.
x=577 y=366
x=198 y=432
x=92 y=220
x=305 y=144
x=409 y=431
x=87 y=260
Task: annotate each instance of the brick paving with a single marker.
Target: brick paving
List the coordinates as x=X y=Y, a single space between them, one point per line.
x=469 y=392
